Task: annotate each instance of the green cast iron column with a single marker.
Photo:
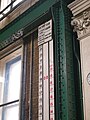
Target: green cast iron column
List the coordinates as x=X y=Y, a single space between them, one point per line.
x=65 y=92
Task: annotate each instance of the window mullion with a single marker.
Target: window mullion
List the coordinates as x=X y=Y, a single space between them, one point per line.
x=8 y=103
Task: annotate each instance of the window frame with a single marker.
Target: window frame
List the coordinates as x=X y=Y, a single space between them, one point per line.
x=17 y=48
x=6 y=83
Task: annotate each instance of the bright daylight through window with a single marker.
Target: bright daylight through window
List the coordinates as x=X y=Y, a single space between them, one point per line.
x=5 y=3
x=10 y=75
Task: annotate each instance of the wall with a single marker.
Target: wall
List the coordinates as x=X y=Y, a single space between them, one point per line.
x=85 y=63
x=81 y=23
x=18 y=11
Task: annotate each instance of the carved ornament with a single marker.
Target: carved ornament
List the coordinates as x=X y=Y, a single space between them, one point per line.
x=82 y=25
x=11 y=39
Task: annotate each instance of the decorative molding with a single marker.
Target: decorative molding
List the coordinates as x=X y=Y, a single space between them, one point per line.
x=82 y=24
x=78 y=6
x=11 y=39
x=81 y=17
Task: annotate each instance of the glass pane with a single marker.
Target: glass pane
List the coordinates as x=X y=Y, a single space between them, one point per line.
x=7 y=10
x=4 y=4
x=10 y=72
x=1 y=16
x=12 y=89
x=0 y=90
x=17 y=1
x=11 y=112
x=0 y=113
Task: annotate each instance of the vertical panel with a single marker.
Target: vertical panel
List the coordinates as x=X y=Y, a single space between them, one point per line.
x=51 y=69
x=45 y=83
x=46 y=71
x=40 y=101
x=35 y=76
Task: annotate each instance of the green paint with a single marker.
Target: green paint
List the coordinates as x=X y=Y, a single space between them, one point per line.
x=26 y=18
x=65 y=92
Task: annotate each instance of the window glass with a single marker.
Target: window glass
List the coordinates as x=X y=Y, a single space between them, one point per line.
x=12 y=80
x=4 y=4
x=10 y=77
x=11 y=112
x=16 y=2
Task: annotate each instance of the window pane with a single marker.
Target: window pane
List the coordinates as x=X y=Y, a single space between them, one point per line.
x=14 y=81
x=0 y=113
x=4 y=4
x=12 y=84
x=1 y=16
x=0 y=89
x=17 y=1
x=10 y=72
x=11 y=112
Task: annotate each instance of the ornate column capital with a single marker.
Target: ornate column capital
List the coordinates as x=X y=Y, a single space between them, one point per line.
x=82 y=25
x=81 y=17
